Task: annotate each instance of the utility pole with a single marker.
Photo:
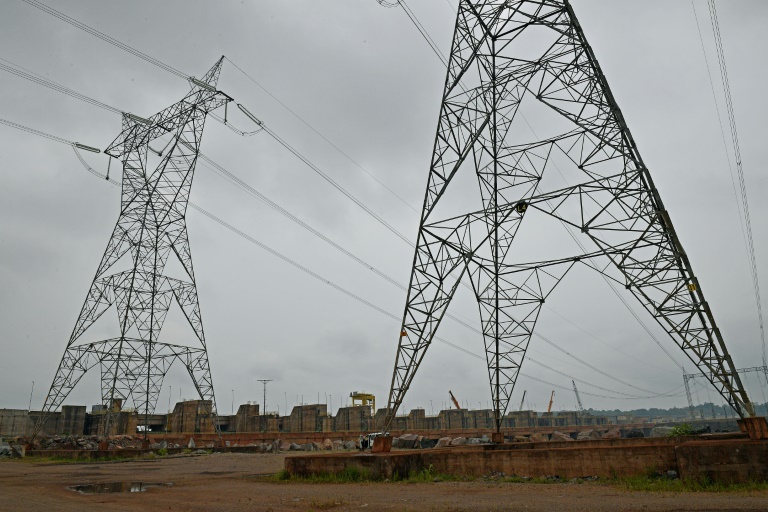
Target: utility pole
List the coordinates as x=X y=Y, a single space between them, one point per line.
x=264 y=401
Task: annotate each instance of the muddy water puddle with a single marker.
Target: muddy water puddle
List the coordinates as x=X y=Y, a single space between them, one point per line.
x=114 y=487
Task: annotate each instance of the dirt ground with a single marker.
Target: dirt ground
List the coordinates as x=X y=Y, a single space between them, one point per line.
x=232 y=482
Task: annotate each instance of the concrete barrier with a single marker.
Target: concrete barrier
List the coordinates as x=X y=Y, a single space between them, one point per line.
x=726 y=460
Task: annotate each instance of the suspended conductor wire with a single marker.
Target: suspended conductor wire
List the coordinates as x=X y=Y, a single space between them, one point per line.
x=331 y=143
x=35 y=132
x=423 y=32
x=274 y=135
x=176 y=72
x=217 y=168
x=104 y=37
x=360 y=299
x=18 y=71
x=739 y=169
x=338 y=187
x=185 y=76
x=55 y=86
x=96 y=173
x=305 y=269
x=722 y=128
x=224 y=173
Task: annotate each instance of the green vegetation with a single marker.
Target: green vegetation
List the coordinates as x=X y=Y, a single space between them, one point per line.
x=349 y=475
x=652 y=481
x=162 y=452
x=661 y=484
x=682 y=430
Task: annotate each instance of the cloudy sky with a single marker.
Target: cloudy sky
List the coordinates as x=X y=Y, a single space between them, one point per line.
x=362 y=76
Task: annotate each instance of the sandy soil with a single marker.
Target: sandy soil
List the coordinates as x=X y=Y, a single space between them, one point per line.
x=231 y=482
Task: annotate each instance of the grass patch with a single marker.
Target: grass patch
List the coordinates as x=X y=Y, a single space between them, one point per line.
x=37 y=459
x=356 y=475
x=533 y=480
x=647 y=483
x=349 y=475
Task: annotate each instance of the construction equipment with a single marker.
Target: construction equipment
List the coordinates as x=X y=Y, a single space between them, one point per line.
x=522 y=400
x=455 y=402
x=578 y=398
x=551 y=398
x=363 y=398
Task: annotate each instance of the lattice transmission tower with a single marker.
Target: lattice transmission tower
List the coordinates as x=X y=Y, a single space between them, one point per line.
x=151 y=229
x=507 y=54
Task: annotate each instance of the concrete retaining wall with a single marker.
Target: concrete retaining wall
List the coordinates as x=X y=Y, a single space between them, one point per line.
x=730 y=460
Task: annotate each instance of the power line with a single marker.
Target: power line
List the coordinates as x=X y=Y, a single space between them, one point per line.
x=60 y=88
x=104 y=37
x=338 y=187
x=126 y=47
x=331 y=143
x=113 y=41
x=367 y=303
x=306 y=270
x=35 y=132
x=739 y=169
x=423 y=32
x=240 y=183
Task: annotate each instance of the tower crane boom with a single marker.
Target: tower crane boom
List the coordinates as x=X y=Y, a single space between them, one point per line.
x=455 y=402
x=578 y=398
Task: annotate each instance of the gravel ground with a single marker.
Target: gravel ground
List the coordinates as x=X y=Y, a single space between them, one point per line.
x=231 y=482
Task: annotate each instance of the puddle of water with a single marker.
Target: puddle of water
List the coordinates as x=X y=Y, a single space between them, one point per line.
x=110 y=487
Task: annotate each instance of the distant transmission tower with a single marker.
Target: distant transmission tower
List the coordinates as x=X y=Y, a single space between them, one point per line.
x=151 y=229
x=506 y=53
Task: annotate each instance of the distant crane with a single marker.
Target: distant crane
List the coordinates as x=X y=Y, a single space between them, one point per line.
x=578 y=399
x=551 y=398
x=455 y=402
x=522 y=400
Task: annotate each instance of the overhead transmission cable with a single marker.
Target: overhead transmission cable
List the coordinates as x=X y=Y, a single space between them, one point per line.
x=166 y=67
x=330 y=142
x=739 y=168
x=154 y=61
x=304 y=269
x=104 y=37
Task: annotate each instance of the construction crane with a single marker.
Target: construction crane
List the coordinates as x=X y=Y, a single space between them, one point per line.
x=522 y=400
x=551 y=398
x=455 y=402
x=578 y=399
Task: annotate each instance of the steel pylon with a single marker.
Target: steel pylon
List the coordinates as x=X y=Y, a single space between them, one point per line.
x=151 y=228
x=505 y=53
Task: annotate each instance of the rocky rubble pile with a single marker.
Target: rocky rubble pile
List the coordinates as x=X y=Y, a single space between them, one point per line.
x=65 y=442
x=278 y=445
x=459 y=441
x=11 y=450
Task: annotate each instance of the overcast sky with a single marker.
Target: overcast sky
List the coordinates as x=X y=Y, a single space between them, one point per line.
x=362 y=76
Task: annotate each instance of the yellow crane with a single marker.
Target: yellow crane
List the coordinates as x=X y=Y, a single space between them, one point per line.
x=551 y=398
x=455 y=402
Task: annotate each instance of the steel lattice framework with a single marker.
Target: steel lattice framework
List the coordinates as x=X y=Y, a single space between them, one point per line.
x=504 y=53
x=151 y=229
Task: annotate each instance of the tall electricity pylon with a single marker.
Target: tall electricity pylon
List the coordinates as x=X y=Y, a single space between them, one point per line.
x=150 y=229
x=505 y=53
